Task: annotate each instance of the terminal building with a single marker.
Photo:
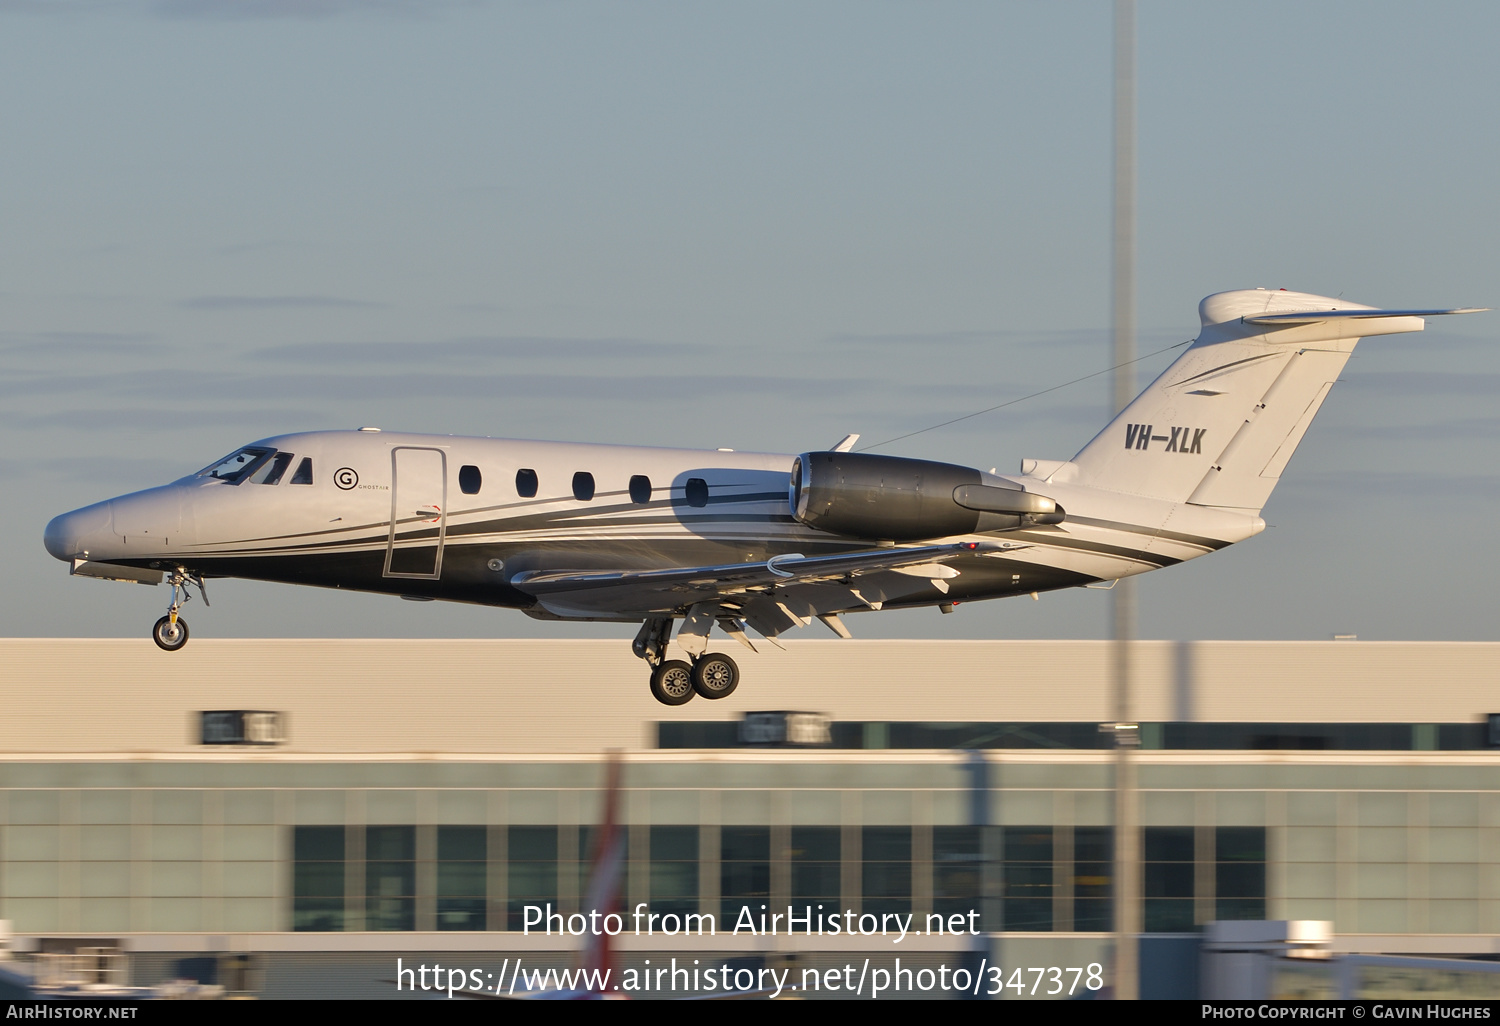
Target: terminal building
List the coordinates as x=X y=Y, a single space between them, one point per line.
x=290 y=817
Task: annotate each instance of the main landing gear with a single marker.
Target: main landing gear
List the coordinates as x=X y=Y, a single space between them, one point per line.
x=171 y=632
x=713 y=675
x=673 y=681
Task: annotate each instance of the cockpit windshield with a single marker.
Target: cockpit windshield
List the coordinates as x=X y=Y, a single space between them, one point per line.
x=270 y=472
x=237 y=465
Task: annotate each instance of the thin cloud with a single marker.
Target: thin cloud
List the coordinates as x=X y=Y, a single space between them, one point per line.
x=1466 y=428
x=167 y=420
x=303 y=9
x=1384 y=484
x=300 y=10
x=276 y=303
x=53 y=7
x=332 y=387
x=927 y=338
x=241 y=248
x=1408 y=383
x=99 y=470
x=76 y=343
x=1042 y=338
x=499 y=347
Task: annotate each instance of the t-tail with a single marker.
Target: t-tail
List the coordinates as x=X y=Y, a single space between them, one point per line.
x=1218 y=426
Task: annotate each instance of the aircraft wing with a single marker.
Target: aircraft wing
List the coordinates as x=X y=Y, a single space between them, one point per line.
x=788 y=582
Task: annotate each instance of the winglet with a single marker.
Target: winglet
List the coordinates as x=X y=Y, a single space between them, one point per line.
x=846 y=444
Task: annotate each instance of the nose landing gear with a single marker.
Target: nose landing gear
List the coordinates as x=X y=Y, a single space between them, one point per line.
x=171 y=632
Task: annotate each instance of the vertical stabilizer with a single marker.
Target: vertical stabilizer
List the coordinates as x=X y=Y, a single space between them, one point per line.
x=1219 y=425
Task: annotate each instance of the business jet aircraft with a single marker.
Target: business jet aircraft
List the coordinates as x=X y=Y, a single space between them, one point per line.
x=656 y=536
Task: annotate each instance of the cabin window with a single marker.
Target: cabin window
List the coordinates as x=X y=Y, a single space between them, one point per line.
x=583 y=486
x=271 y=472
x=640 y=489
x=237 y=465
x=526 y=483
x=697 y=492
x=469 y=479
x=304 y=472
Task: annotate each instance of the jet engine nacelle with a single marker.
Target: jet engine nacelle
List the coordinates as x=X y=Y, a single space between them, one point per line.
x=895 y=499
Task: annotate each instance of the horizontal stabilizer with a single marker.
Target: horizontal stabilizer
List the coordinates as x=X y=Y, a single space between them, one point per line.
x=1314 y=316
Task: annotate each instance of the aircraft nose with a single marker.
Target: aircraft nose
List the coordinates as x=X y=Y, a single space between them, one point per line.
x=68 y=536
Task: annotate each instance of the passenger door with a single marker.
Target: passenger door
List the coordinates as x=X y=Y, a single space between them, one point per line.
x=419 y=513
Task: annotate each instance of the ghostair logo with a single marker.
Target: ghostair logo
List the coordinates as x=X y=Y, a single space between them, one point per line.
x=1186 y=440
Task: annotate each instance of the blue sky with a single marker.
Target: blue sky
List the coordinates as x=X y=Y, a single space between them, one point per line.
x=749 y=225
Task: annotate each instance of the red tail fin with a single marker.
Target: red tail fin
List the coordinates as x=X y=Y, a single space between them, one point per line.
x=607 y=866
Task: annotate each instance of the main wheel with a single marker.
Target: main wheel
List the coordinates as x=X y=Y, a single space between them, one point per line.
x=169 y=636
x=672 y=683
x=715 y=676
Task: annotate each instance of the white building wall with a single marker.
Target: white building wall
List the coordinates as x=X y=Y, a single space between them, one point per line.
x=493 y=696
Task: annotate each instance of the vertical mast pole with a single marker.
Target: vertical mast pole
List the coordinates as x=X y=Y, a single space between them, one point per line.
x=1127 y=899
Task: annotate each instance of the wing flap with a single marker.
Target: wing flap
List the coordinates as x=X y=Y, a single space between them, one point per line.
x=679 y=587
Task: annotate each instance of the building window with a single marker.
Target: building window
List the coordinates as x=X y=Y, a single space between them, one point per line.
x=696 y=492
x=674 y=869
x=390 y=878
x=744 y=870
x=816 y=867
x=462 y=854
x=469 y=479
x=1169 y=879
x=957 y=872
x=318 y=878
x=1240 y=873
x=887 y=869
x=526 y=483
x=1093 y=878
x=1026 y=889
x=532 y=870
x=640 y=489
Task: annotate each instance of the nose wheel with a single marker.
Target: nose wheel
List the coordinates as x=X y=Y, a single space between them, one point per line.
x=171 y=632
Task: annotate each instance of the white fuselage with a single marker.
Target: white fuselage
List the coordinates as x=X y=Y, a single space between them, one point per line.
x=446 y=517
